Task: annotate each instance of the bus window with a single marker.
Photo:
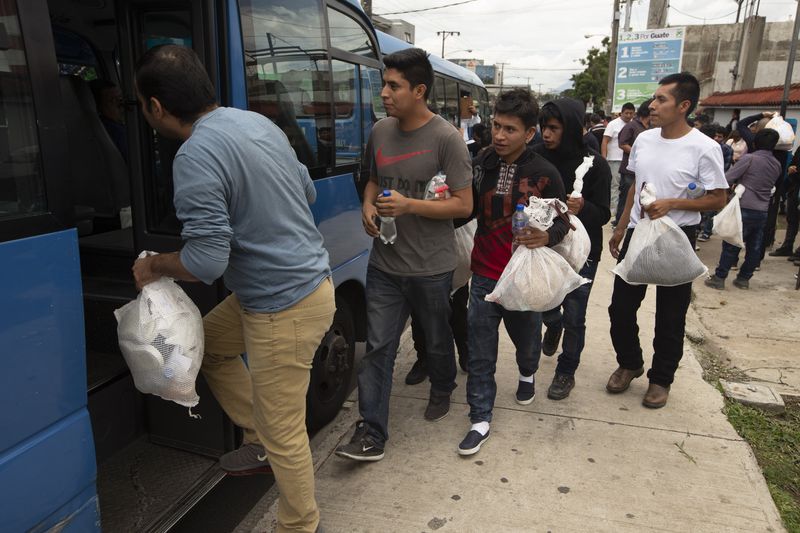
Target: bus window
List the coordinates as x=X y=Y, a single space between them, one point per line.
x=437 y=96
x=371 y=102
x=21 y=181
x=348 y=119
x=287 y=75
x=450 y=109
x=349 y=35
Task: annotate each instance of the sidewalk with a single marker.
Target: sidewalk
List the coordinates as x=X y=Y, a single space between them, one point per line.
x=592 y=462
x=757 y=331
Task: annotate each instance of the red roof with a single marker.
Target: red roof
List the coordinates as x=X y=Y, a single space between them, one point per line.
x=759 y=97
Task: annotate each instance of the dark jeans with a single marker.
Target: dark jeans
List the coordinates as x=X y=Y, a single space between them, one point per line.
x=671 y=306
x=792 y=215
x=458 y=323
x=753 y=223
x=707 y=223
x=625 y=182
x=390 y=300
x=573 y=320
x=525 y=330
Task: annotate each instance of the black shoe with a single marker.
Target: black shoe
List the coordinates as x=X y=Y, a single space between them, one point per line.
x=472 y=442
x=552 y=336
x=561 y=386
x=741 y=283
x=462 y=361
x=361 y=447
x=715 y=282
x=526 y=392
x=417 y=374
x=781 y=252
x=794 y=257
x=438 y=407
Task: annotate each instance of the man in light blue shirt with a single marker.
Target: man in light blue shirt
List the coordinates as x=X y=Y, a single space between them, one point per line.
x=243 y=199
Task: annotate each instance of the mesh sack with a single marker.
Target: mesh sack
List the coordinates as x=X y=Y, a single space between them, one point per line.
x=576 y=245
x=659 y=253
x=161 y=338
x=728 y=222
x=535 y=280
x=465 y=239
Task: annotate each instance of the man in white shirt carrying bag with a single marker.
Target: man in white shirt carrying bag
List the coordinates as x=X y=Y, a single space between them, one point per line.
x=610 y=148
x=669 y=157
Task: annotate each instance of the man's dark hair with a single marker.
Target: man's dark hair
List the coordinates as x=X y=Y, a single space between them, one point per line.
x=644 y=109
x=686 y=88
x=766 y=139
x=518 y=103
x=175 y=76
x=709 y=130
x=628 y=105
x=549 y=111
x=721 y=130
x=596 y=119
x=414 y=65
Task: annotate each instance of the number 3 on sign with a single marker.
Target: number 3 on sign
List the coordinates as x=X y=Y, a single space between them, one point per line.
x=620 y=94
x=622 y=73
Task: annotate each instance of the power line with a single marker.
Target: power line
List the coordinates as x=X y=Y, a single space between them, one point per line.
x=427 y=8
x=702 y=18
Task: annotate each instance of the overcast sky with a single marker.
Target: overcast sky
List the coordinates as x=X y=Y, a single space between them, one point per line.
x=534 y=35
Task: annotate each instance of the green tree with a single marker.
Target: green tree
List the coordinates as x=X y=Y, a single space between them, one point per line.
x=592 y=83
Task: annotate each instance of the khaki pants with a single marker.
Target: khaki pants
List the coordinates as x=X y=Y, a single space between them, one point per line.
x=268 y=401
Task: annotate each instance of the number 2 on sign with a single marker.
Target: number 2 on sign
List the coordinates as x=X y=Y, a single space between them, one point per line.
x=623 y=73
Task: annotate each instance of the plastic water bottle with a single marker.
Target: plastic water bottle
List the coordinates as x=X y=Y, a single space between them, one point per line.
x=388 y=227
x=695 y=190
x=519 y=221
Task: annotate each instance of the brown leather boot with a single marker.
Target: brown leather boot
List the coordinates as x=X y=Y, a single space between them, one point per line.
x=621 y=379
x=656 y=396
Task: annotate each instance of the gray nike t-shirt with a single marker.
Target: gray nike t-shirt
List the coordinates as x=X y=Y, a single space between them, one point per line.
x=406 y=161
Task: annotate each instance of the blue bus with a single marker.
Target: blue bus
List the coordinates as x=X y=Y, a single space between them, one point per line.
x=85 y=185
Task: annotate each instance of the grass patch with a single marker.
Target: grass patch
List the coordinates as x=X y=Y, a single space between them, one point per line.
x=775 y=440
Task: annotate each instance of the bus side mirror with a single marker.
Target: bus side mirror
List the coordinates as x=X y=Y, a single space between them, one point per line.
x=5 y=42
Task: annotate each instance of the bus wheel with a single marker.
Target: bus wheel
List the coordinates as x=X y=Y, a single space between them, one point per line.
x=332 y=369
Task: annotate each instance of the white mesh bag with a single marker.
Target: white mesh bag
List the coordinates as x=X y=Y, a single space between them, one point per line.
x=659 y=253
x=161 y=337
x=576 y=245
x=535 y=279
x=728 y=222
x=465 y=239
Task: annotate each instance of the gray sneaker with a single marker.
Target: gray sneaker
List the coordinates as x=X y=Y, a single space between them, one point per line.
x=741 y=283
x=715 y=282
x=438 y=406
x=248 y=459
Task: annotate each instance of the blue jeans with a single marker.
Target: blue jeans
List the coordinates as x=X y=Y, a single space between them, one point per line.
x=573 y=320
x=525 y=330
x=390 y=300
x=707 y=222
x=753 y=223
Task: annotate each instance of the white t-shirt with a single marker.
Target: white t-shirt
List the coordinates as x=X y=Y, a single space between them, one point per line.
x=670 y=165
x=612 y=130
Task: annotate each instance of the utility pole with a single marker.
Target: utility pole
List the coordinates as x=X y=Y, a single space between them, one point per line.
x=444 y=35
x=502 y=65
x=628 y=10
x=790 y=66
x=540 y=89
x=657 y=15
x=612 y=57
x=367 y=5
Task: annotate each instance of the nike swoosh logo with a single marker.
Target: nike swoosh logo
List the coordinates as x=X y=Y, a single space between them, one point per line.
x=366 y=448
x=386 y=160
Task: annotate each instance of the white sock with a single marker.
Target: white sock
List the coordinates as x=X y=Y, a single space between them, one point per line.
x=528 y=379
x=481 y=427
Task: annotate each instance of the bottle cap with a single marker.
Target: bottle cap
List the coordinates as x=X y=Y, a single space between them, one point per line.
x=386 y=192
x=692 y=186
x=520 y=207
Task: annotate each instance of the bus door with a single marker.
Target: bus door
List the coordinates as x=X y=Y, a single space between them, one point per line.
x=145 y=24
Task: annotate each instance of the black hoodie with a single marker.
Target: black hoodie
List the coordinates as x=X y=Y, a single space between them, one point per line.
x=567 y=157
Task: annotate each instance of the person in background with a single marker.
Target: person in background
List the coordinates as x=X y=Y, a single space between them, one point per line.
x=758 y=171
x=590 y=141
x=670 y=156
x=716 y=132
x=700 y=119
x=733 y=122
x=243 y=199
x=111 y=109
x=597 y=127
x=468 y=123
x=482 y=137
x=627 y=137
x=610 y=149
x=737 y=144
x=505 y=175
x=563 y=146
x=792 y=187
x=414 y=274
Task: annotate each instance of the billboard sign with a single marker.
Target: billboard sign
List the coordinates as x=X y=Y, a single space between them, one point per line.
x=643 y=58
